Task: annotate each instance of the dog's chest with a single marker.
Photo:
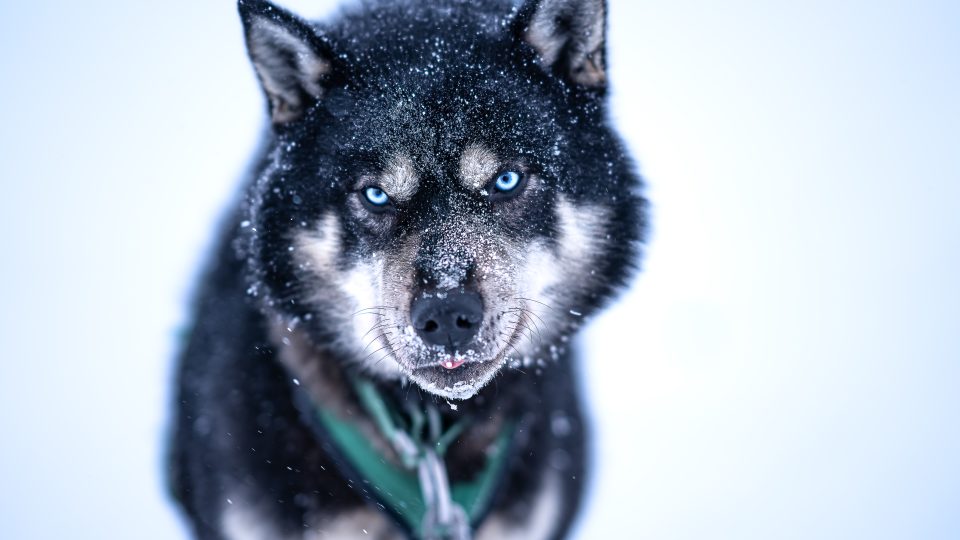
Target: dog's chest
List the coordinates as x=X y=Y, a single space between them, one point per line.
x=536 y=519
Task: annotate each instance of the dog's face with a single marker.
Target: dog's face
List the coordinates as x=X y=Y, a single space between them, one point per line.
x=442 y=195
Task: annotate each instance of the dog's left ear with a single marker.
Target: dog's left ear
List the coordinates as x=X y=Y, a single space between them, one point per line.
x=569 y=36
x=291 y=59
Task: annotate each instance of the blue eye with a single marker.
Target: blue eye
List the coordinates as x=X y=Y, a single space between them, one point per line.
x=376 y=196
x=508 y=181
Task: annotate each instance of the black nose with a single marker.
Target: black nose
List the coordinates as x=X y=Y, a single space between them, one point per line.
x=449 y=318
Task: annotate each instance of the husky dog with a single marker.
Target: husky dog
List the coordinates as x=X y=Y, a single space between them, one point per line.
x=381 y=344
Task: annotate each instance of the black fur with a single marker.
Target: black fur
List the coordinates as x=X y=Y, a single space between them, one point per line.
x=425 y=78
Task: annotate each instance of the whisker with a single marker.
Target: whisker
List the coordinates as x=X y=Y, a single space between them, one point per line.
x=525 y=330
x=392 y=346
x=377 y=326
x=535 y=301
x=534 y=313
x=374 y=340
x=374 y=310
x=373 y=353
x=526 y=314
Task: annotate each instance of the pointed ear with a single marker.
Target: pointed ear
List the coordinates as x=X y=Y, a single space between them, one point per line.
x=569 y=36
x=290 y=58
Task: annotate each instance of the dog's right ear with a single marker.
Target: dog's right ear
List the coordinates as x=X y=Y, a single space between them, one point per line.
x=291 y=59
x=569 y=36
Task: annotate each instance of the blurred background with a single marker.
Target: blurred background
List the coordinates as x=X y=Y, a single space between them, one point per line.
x=787 y=365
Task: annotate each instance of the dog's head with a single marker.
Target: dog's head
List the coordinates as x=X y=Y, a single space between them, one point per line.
x=442 y=193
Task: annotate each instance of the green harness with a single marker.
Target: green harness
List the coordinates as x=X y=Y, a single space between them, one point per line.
x=418 y=492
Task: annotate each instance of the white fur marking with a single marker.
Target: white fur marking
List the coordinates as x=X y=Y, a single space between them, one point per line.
x=540 y=272
x=583 y=229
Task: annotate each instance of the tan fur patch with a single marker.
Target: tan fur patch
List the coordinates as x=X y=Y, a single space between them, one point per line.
x=399 y=180
x=319 y=249
x=477 y=165
x=541 y=521
x=242 y=521
x=364 y=523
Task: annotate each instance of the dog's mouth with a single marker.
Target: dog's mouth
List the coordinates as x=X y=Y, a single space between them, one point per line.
x=452 y=362
x=452 y=375
x=456 y=378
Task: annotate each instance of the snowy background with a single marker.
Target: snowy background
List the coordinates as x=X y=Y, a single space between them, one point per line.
x=788 y=365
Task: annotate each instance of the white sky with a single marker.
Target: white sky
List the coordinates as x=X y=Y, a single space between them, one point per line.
x=787 y=366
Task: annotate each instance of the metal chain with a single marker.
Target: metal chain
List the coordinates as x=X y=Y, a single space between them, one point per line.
x=444 y=518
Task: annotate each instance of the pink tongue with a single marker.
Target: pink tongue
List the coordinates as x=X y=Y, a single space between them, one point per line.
x=452 y=363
